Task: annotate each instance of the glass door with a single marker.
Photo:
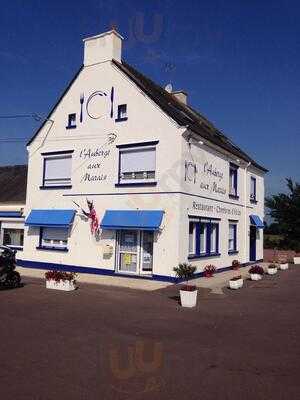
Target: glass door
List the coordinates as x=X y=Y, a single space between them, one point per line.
x=128 y=251
x=135 y=252
x=146 y=253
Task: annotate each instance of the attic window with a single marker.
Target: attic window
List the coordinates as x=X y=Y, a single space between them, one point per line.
x=71 y=121
x=122 y=113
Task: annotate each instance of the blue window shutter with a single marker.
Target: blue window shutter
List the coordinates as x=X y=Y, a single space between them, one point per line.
x=197 y=238
x=208 y=238
x=217 y=238
x=234 y=237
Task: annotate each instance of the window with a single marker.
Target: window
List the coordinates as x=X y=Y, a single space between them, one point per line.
x=122 y=113
x=137 y=165
x=54 y=238
x=192 y=237
x=203 y=238
x=233 y=180
x=57 y=170
x=232 y=238
x=253 y=189
x=71 y=121
x=13 y=237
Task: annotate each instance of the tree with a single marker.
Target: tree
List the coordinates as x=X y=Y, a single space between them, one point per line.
x=285 y=211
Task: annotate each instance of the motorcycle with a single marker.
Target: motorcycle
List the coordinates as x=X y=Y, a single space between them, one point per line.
x=9 y=278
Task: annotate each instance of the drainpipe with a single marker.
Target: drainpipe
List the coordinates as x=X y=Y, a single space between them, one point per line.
x=245 y=211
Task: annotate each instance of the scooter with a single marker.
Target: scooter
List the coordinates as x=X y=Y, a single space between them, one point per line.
x=9 y=278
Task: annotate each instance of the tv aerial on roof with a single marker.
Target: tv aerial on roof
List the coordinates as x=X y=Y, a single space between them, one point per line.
x=169 y=87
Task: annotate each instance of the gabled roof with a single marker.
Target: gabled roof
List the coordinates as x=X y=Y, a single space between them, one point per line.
x=13 y=182
x=183 y=114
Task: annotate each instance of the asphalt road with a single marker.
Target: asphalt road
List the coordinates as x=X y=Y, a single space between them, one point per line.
x=112 y=343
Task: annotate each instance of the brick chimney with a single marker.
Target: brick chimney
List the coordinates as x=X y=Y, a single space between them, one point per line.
x=180 y=95
x=103 y=47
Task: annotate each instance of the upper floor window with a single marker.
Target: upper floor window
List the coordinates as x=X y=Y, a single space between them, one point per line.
x=253 y=189
x=122 y=113
x=57 y=170
x=71 y=121
x=203 y=237
x=137 y=164
x=233 y=180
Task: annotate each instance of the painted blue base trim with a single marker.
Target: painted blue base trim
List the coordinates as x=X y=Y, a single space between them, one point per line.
x=110 y=272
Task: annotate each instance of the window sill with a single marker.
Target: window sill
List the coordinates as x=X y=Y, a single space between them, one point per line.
x=121 y=119
x=19 y=248
x=56 y=187
x=120 y=184
x=71 y=127
x=63 y=249
x=253 y=201
x=234 y=197
x=199 y=256
x=231 y=252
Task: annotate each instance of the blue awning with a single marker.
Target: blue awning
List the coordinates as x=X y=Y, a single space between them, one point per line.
x=50 y=218
x=10 y=214
x=132 y=219
x=255 y=220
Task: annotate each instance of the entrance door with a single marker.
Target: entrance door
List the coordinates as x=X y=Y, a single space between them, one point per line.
x=135 y=252
x=252 y=243
x=146 y=253
x=128 y=253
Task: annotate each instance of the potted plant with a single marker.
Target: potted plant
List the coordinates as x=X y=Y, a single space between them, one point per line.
x=236 y=282
x=188 y=293
x=60 y=280
x=272 y=269
x=283 y=265
x=235 y=265
x=297 y=258
x=209 y=270
x=256 y=272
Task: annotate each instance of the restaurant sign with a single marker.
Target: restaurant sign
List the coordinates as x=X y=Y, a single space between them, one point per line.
x=217 y=209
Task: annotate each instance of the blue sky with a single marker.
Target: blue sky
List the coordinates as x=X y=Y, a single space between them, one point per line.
x=238 y=61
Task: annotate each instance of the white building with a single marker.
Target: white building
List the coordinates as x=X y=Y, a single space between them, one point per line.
x=12 y=204
x=166 y=185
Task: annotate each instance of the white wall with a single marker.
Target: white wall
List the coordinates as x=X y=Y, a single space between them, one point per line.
x=146 y=122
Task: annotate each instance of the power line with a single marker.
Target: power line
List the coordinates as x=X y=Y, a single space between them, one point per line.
x=35 y=116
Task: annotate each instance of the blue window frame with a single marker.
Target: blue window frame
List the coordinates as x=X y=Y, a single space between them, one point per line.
x=53 y=239
x=57 y=170
x=253 y=189
x=122 y=113
x=232 y=238
x=71 y=121
x=203 y=237
x=137 y=164
x=233 y=180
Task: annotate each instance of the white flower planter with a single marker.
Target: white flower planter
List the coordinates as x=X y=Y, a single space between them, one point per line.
x=61 y=285
x=255 y=277
x=237 y=284
x=272 y=271
x=188 y=298
x=296 y=260
x=283 y=267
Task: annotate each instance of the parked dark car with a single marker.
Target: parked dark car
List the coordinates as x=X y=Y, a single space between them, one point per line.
x=9 y=278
